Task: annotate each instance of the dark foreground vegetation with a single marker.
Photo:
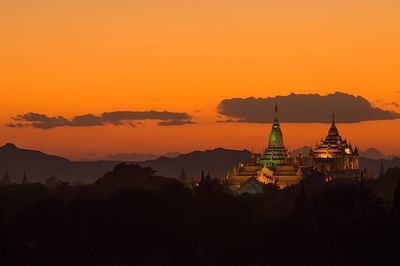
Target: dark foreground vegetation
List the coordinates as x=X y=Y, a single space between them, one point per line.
x=132 y=217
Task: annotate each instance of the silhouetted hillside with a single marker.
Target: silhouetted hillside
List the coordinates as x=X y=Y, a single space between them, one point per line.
x=373 y=166
x=373 y=153
x=36 y=163
x=39 y=166
x=343 y=222
x=218 y=162
x=138 y=157
x=130 y=176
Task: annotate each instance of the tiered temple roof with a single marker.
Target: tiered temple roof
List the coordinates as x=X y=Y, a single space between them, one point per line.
x=272 y=167
x=333 y=146
x=335 y=157
x=276 y=153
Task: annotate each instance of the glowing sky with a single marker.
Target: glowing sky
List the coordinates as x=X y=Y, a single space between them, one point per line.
x=72 y=57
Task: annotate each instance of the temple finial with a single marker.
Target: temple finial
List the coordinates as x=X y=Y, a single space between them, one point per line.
x=25 y=179
x=6 y=177
x=333 y=120
x=276 y=117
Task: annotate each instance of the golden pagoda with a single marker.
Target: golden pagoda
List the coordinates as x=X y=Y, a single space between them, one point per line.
x=273 y=166
x=334 y=156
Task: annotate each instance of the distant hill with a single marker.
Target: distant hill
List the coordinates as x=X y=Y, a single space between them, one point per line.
x=373 y=153
x=305 y=151
x=138 y=157
x=132 y=157
x=218 y=162
x=39 y=166
x=373 y=166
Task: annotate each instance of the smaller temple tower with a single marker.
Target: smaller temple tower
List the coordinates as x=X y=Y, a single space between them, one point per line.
x=6 y=177
x=25 y=179
x=334 y=156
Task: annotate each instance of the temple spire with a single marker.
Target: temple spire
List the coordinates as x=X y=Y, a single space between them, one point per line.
x=6 y=177
x=183 y=178
x=276 y=117
x=25 y=179
x=333 y=131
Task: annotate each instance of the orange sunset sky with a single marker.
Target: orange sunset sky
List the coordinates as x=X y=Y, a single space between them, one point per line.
x=74 y=57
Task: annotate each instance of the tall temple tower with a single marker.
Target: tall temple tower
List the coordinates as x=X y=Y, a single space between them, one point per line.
x=276 y=153
x=334 y=156
x=273 y=166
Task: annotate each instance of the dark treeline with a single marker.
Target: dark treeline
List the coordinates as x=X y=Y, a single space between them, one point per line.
x=132 y=217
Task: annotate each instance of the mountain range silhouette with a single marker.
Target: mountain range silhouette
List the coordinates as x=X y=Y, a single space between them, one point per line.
x=39 y=166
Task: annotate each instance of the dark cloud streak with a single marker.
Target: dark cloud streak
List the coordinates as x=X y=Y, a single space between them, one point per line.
x=175 y=122
x=117 y=118
x=303 y=108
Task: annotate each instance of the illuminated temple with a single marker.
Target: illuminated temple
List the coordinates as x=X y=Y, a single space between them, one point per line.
x=333 y=156
x=276 y=153
x=274 y=165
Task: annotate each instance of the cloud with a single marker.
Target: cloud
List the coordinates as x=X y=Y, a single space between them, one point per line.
x=304 y=108
x=39 y=121
x=118 y=118
x=394 y=104
x=35 y=117
x=15 y=125
x=228 y=121
x=175 y=122
x=87 y=121
x=46 y=122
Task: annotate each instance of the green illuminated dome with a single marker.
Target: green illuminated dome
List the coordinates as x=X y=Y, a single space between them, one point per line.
x=275 y=137
x=276 y=153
